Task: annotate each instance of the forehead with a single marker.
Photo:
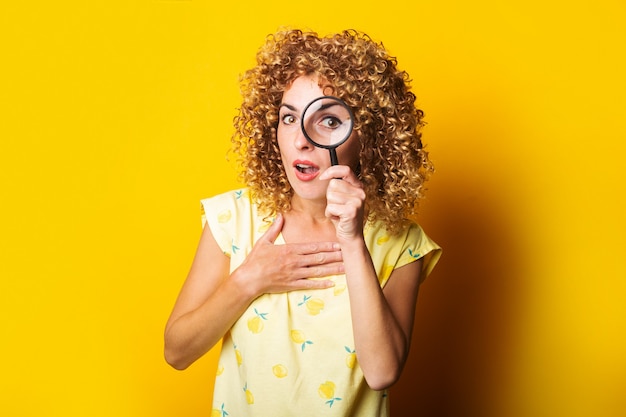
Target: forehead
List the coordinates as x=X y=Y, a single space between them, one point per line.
x=302 y=90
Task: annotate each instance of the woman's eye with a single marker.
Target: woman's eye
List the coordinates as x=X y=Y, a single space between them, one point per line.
x=288 y=119
x=330 y=122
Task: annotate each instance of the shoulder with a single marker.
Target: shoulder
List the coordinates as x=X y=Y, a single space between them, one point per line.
x=226 y=205
x=234 y=220
x=399 y=249
x=378 y=234
x=239 y=196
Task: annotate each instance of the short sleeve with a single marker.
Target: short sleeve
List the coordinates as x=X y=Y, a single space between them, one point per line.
x=390 y=252
x=218 y=213
x=233 y=220
x=418 y=245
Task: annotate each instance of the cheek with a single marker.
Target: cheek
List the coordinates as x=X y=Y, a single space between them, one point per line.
x=283 y=134
x=282 y=142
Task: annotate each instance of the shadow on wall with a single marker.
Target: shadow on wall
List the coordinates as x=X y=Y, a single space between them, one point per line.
x=467 y=309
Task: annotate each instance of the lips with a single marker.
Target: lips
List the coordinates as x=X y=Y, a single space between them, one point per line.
x=305 y=170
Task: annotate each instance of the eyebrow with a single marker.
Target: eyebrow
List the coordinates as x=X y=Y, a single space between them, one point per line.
x=289 y=106
x=328 y=105
x=322 y=107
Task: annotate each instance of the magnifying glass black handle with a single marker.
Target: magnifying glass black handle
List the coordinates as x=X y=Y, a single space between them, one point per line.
x=333 y=157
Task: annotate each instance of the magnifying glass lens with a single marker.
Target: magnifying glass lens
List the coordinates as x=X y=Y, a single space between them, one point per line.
x=327 y=122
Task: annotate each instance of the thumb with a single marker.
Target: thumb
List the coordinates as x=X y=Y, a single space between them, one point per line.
x=274 y=230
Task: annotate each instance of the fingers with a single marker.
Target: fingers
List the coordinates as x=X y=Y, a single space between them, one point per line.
x=291 y=266
x=271 y=234
x=321 y=271
x=298 y=268
x=343 y=185
x=316 y=249
x=310 y=284
x=310 y=260
x=315 y=277
x=318 y=259
x=293 y=275
x=341 y=172
x=343 y=199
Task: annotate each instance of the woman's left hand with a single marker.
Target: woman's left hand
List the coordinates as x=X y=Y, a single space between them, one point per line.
x=345 y=202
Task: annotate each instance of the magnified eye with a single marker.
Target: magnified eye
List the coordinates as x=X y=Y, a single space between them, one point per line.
x=330 y=122
x=327 y=122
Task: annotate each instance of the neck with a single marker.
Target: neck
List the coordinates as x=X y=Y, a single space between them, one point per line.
x=312 y=210
x=307 y=222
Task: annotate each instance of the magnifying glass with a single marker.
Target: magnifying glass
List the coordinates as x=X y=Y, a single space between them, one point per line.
x=327 y=122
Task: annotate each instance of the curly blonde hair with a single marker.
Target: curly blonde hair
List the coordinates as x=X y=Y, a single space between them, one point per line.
x=393 y=163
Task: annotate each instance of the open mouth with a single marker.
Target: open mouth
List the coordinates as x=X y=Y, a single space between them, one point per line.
x=307 y=169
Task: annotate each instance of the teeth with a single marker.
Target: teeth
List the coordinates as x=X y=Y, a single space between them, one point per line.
x=305 y=168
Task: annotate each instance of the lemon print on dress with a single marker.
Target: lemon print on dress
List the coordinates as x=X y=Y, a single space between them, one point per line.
x=297 y=336
x=249 y=396
x=241 y=193
x=414 y=255
x=382 y=240
x=351 y=358
x=219 y=413
x=224 y=216
x=386 y=272
x=279 y=370
x=238 y=355
x=255 y=324
x=338 y=289
x=327 y=392
x=220 y=369
x=313 y=305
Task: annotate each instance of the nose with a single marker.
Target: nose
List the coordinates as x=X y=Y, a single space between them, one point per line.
x=300 y=141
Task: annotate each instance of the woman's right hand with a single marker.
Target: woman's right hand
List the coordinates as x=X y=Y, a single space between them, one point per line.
x=212 y=299
x=272 y=268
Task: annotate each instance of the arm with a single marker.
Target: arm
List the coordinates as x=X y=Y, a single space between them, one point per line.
x=382 y=320
x=207 y=305
x=212 y=299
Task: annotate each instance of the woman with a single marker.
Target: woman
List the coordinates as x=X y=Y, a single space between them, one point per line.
x=310 y=274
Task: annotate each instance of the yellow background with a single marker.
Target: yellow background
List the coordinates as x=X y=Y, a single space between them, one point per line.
x=115 y=120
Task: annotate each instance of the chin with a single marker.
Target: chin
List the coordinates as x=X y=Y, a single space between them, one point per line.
x=309 y=191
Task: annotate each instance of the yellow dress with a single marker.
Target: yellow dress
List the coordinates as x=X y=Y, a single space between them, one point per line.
x=292 y=354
